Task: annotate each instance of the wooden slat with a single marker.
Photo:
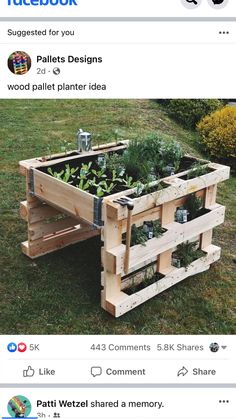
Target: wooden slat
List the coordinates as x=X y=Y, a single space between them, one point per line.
x=167 y=217
x=176 y=233
x=36 y=214
x=122 y=305
x=70 y=199
x=206 y=239
x=25 y=165
x=112 y=237
x=38 y=230
x=138 y=277
x=210 y=196
x=171 y=193
x=42 y=247
x=138 y=220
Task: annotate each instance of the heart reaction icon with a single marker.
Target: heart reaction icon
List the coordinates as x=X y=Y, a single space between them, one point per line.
x=22 y=347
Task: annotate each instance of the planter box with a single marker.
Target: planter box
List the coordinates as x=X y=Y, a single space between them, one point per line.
x=59 y=214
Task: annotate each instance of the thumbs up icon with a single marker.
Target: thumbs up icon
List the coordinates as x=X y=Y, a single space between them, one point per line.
x=29 y=372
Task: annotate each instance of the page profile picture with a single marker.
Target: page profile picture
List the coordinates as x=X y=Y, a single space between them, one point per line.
x=19 y=407
x=19 y=62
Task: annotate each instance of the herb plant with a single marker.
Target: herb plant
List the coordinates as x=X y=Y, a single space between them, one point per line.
x=188 y=252
x=64 y=175
x=197 y=169
x=138 y=236
x=158 y=230
x=115 y=161
x=193 y=204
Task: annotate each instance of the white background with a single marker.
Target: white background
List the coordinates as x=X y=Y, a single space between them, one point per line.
x=184 y=60
x=111 y=8
x=179 y=403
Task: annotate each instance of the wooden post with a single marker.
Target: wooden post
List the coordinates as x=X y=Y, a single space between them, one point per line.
x=112 y=237
x=210 y=199
x=167 y=217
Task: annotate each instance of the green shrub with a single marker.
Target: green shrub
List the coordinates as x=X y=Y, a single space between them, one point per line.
x=188 y=112
x=218 y=132
x=151 y=155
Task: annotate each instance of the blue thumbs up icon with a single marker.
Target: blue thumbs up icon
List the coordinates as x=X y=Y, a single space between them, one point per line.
x=12 y=347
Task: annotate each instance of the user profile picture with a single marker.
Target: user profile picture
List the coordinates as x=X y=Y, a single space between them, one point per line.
x=19 y=407
x=214 y=347
x=19 y=63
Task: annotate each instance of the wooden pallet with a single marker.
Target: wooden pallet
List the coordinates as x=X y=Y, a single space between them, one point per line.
x=157 y=253
x=58 y=215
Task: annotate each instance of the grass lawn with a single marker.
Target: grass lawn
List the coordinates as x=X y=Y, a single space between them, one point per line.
x=60 y=293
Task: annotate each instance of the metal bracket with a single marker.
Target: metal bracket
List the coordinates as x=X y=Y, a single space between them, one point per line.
x=97 y=211
x=31 y=182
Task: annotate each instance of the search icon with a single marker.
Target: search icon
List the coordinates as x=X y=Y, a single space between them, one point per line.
x=191 y=4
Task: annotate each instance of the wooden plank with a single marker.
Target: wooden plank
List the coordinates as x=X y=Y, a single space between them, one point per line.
x=72 y=200
x=210 y=196
x=38 y=230
x=170 y=193
x=138 y=219
x=24 y=210
x=168 y=213
x=44 y=246
x=66 y=158
x=39 y=213
x=176 y=233
x=25 y=165
x=138 y=277
x=164 y=261
x=112 y=237
x=155 y=213
x=167 y=217
x=206 y=239
x=174 y=277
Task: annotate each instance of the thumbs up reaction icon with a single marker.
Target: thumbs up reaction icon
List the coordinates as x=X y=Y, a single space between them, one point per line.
x=29 y=372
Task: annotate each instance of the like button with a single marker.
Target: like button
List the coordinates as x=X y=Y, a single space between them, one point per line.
x=29 y=372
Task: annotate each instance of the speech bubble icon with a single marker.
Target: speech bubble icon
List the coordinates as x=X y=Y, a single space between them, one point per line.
x=96 y=371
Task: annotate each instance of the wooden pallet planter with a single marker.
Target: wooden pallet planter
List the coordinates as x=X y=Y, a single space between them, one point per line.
x=59 y=214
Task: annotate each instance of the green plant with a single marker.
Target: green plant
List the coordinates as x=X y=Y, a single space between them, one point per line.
x=102 y=188
x=188 y=252
x=114 y=177
x=99 y=174
x=188 y=112
x=139 y=188
x=197 y=169
x=105 y=187
x=85 y=170
x=64 y=175
x=83 y=184
x=218 y=132
x=84 y=173
x=138 y=236
x=136 y=160
x=129 y=182
x=65 y=146
x=151 y=155
x=115 y=161
x=171 y=153
x=158 y=230
x=193 y=204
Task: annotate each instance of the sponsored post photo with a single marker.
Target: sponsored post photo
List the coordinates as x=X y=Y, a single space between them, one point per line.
x=118 y=216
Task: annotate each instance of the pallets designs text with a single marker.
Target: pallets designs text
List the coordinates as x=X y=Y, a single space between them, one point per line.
x=59 y=214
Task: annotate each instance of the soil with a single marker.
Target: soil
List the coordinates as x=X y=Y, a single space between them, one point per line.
x=186 y=163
